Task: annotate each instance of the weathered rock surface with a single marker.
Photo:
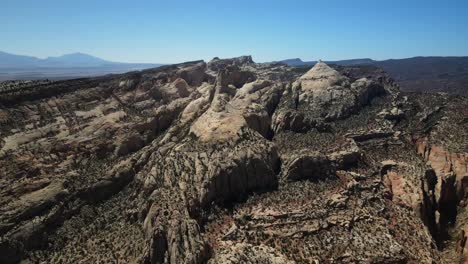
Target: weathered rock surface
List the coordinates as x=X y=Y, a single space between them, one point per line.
x=246 y=253
x=232 y=162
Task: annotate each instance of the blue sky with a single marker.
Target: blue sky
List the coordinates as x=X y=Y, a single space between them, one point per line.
x=174 y=31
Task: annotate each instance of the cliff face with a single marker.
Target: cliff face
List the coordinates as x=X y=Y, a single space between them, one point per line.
x=231 y=161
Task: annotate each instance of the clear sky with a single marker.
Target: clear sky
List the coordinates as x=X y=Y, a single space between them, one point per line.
x=174 y=31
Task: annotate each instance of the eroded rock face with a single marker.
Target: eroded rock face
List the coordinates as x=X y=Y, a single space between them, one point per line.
x=323 y=95
x=224 y=162
x=403 y=191
x=324 y=89
x=227 y=116
x=445 y=162
x=316 y=166
x=217 y=64
x=442 y=145
x=247 y=253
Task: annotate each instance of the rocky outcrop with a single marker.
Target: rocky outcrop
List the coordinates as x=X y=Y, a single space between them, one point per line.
x=315 y=166
x=323 y=95
x=393 y=114
x=226 y=117
x=217 y=64
x=446 y=163
x=449 y=190
x=194 y=75
x=225 y=161
x=234 y=76
x=403 y=191
x=334 y=96
x=226 y=158
x=247 y=253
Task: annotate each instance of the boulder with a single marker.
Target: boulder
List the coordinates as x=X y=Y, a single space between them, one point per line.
x=313 y=166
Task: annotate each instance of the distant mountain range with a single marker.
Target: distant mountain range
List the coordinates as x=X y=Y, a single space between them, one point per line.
x=73 y=60
x=422 y=74
x=66 y=66
x=299 y=62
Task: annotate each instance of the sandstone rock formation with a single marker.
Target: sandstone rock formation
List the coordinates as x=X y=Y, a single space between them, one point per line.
x=232 y=162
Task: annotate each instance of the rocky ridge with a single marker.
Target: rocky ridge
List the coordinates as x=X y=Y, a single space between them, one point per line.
x=232 y=162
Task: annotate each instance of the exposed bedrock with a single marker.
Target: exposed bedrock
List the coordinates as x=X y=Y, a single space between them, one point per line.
x=450 y=176
x=446 y=164
x=228 y=161
x=320 y=96
x=248 y=253
x=316 y=166
x=332 y=95
x=27 y=222
x=225 y=156
x=217 y=64
x=185 y=183
x=73 y=149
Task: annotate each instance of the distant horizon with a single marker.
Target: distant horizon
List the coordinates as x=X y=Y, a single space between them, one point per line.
x=153 y=31
x=206 y=60
x=233 y=56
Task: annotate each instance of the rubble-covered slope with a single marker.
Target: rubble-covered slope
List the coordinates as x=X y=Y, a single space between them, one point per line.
x=232 y=162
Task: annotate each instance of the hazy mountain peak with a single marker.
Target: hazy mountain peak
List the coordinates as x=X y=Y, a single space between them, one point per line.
x=77 y=64
x=77 y=59
x=12 y=60
x=294 y=60
x=66 y=61
x=78 y=55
